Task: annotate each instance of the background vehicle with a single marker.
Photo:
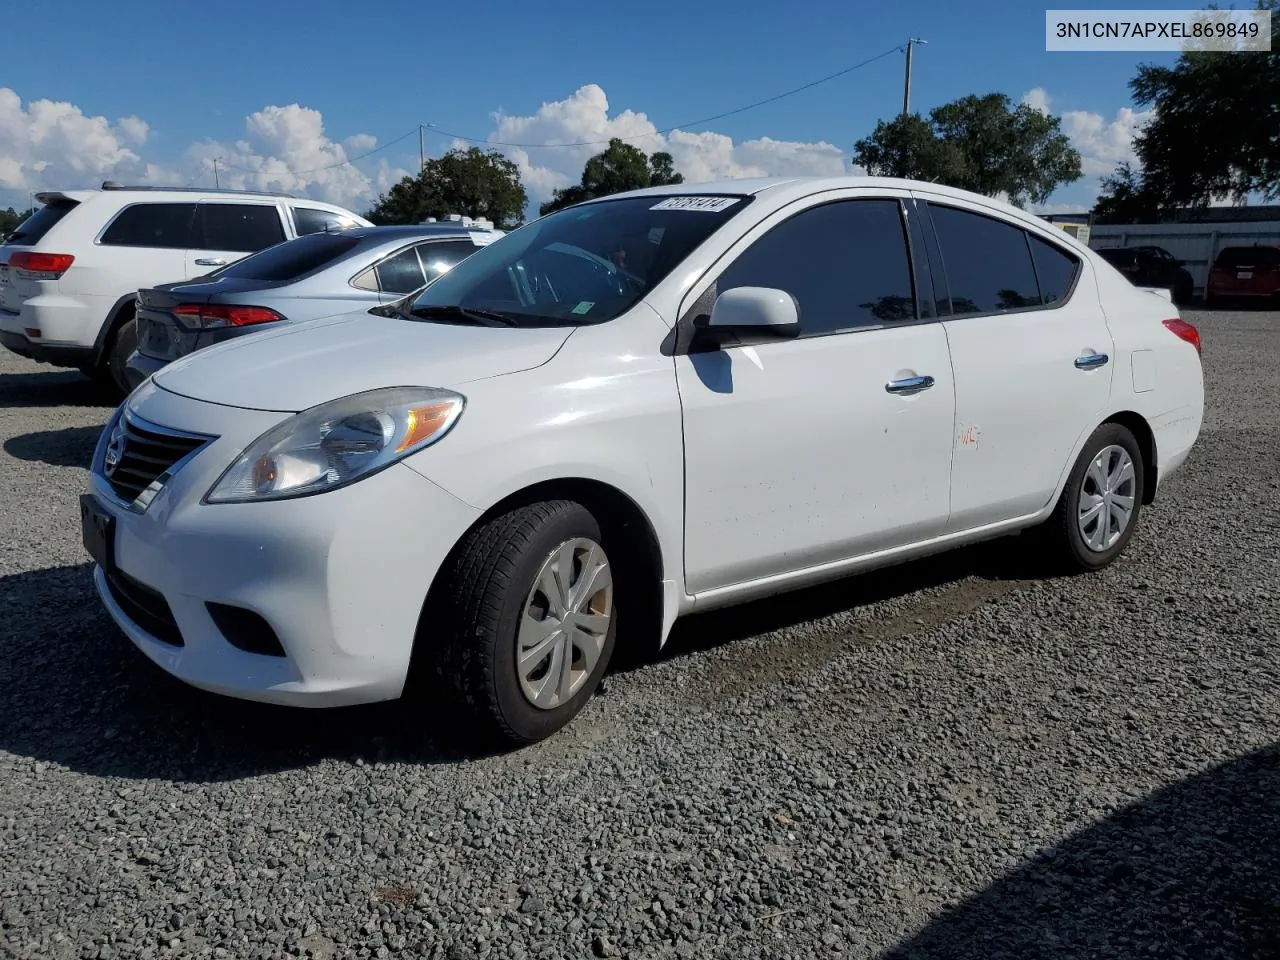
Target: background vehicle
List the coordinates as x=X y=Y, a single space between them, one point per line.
x=1150 y=266
x=1244 y=272
x=315 y=276
x=545 y=455
x=69 y=275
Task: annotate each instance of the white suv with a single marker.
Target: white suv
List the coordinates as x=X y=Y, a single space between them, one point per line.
x=69 y=275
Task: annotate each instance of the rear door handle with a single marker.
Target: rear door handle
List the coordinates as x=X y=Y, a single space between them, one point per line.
x=1090 y=360
x=211 y=262
x=909 y=385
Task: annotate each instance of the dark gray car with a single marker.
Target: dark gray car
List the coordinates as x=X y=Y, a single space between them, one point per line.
x=308 y=278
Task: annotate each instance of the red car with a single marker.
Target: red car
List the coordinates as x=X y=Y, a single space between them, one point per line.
x=1244 y=272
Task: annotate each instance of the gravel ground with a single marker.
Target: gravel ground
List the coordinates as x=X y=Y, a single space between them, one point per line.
x=942 y=760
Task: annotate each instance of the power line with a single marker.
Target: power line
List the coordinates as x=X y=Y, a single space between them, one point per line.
x=332 y=166
x=417 y=128
x=688 y=123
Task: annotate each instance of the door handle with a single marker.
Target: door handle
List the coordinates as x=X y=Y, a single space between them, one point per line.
x=211 y=262
x=910 y=385
x=1090 y=360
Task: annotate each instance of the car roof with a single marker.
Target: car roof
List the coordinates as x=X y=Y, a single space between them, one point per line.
x=409 y=232
x=794 y=188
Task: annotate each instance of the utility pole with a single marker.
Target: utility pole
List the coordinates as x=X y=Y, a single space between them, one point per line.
x=906 y=93
x=216 y=185
x=422 y=152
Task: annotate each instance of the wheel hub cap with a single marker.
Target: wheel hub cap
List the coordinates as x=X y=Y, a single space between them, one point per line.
x=564 y=623
x=1107 y=496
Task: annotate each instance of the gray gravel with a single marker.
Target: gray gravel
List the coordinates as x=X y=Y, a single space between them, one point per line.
x=945 y=760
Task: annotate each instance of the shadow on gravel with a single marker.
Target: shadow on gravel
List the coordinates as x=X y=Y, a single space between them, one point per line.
x=70 y=447
x=1003 y=560
x=54 y=389
x=75 y=692
x=1190 y=871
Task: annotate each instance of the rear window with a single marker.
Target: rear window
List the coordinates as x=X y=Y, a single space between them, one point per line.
x=291 y=260
x=32 y=229
x=163 y=225
x=1249 y=257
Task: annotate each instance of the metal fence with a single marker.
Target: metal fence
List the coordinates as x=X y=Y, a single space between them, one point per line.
x=1195 y=243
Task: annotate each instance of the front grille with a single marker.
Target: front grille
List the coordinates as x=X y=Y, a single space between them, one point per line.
x=142 y=455
x=145 y=607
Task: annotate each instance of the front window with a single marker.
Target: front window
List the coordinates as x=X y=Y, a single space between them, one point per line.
x=584 y=264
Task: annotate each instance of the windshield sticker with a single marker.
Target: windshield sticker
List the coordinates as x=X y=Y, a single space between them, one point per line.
x=584 y=307
x=482 y=239
x=703 y=204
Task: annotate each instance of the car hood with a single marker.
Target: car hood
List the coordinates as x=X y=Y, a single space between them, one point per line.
x=299 y=366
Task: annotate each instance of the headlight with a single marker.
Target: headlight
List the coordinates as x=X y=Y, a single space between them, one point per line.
x=337 y=443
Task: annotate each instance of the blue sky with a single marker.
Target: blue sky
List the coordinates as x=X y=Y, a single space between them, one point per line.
x=200 y=78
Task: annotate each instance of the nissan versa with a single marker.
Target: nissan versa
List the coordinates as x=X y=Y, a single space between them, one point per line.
x=637 y=407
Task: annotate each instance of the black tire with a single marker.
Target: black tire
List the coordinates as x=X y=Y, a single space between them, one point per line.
x=116 y=355
x=1068 y=549
x=1183 y=289
x=488 y=580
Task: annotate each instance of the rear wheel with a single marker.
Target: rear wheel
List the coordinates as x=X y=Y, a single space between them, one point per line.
x=115 y=357
x=1100 y=505
x=527 y=622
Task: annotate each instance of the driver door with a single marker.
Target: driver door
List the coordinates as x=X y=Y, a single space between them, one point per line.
x=809 y=451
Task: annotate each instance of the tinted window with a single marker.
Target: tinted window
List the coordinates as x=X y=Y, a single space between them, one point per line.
x=310 y=220
x=152 y=225
x=440 y=257
x=582 y=264
x=845 y=263
x=1118 y=257
x=237 y=226
x=32 y=229
x=1055 y=269
x=291 y=260
x=1248 y=257
x=987 y=262
x=401 y=273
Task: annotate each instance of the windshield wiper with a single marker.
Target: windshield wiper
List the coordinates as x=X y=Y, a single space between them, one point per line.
x=486 y=318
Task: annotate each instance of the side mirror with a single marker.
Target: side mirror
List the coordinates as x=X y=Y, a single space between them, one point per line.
x=750 y=312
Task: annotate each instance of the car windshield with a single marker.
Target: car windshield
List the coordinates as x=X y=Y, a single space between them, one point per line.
x=583 y=264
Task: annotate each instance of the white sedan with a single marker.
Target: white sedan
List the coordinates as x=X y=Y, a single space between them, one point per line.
x=653 y=403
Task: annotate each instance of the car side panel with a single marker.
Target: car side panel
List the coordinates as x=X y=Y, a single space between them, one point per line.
x=604 y=408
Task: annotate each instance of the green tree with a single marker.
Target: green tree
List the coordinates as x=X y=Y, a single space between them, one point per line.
x=981 y=143
x=1213 y=132
x=471 y=182
x=1126 y=198
x=619 y=167
x=10 y=218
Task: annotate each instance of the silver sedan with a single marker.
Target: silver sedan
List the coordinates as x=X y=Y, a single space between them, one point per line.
x=314 y=276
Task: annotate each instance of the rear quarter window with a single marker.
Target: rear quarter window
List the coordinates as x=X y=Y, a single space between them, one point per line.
x=33 y=229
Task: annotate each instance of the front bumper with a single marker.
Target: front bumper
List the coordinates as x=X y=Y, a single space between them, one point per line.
x=339 y=578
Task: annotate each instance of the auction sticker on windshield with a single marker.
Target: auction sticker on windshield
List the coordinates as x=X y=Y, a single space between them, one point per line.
x=704 y=204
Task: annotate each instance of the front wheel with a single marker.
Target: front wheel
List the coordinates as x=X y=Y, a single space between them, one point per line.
x=527 y=623
x=1099 y=507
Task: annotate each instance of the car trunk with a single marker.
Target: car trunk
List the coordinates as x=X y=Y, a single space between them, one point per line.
x=1251 y=271
x=13 y=288
x=166 y=335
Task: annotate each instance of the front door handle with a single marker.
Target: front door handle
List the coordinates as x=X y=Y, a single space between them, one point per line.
x=1090 y=360
x=910 y=385
x=211 y=262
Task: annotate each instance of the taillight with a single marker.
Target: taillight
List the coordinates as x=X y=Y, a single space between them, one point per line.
x=41 y=266
x=209 y=316
x=1185 y=331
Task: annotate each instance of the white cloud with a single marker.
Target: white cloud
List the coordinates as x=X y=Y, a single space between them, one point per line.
x=52 y=143
x=1104 y=143
x=1037 y=98
x=583 y=119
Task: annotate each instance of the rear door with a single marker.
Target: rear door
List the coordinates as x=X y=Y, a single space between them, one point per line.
x=226 y=231
x=1031 y=355
x=412 y=267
